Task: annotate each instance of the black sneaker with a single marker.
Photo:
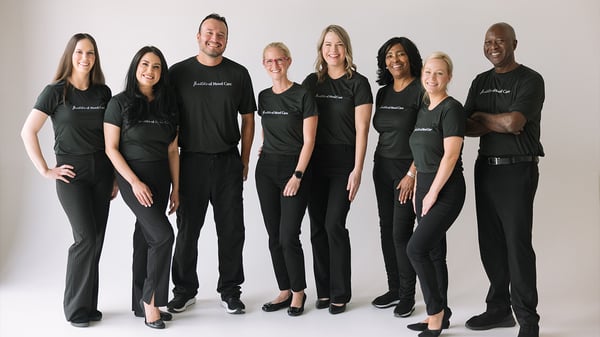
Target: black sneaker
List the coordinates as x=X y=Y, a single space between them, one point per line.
x=488 y=321
x=233 y=305
x=386 y=300
x=404 y=308
x=179 y=303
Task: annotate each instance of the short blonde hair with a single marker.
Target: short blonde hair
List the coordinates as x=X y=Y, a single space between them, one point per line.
x=279 y=45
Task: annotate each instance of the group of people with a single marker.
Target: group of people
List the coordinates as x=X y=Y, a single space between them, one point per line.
x=170 y=142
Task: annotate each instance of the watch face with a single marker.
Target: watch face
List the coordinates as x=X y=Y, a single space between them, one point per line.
x=298 y=174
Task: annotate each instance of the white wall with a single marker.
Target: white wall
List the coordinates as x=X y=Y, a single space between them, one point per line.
x=557 y=38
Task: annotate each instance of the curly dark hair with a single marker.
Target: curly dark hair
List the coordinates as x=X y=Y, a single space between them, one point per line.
x=414 y=58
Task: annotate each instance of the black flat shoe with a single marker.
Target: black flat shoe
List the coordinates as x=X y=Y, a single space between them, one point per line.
x=423 y=326
x=322 y=303
x=270 y=307
x=297 y=311
x=336 y=309
x=430 y=333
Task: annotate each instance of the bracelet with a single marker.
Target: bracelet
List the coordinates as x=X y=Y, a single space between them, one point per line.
x=410 y=174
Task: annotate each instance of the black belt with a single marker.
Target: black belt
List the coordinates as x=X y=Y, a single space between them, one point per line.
x=509 y=160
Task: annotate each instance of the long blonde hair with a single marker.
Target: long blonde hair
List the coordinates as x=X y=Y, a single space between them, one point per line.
x=321 y=65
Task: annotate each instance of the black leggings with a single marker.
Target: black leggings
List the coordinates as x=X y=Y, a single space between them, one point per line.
x=283 y=218
x=153 y=236
x=85 y=200
x=427 y=246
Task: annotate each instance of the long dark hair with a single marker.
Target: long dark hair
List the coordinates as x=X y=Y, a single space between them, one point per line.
x=414 y=59
x=164 y=96
x=65 y=65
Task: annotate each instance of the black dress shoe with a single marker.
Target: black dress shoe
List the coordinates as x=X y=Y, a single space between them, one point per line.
x=297 y=311
x=159 y=323
x=165 y=316
x=336 y=309
x=423 y=326
x=322 y=303
x=270 y=307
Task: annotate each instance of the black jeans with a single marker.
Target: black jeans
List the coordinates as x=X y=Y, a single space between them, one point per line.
x=85 y=200
x=283 y=217
x=427 y=246
x=328 y=207
x=153 y=235
x=504 y=196
x=396 y=223
x=214 y=178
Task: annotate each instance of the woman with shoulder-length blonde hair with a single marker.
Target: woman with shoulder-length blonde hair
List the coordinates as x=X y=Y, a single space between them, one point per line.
x=345 y=101
x=436 y=145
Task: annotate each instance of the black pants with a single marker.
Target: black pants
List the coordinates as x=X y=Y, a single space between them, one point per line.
x=283 y=217
x=427 y=246
x=214 y=178
x=396 y=223
x=504 y=196
x=153 y=235
x=328 y=207
x=86 y=201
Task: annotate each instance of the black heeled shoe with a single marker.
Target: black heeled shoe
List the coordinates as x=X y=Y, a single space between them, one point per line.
x=336 y=309
x=322 y=303
x=165 y=316
x=270 y=307
x=297 y=311
x=423 y=326
x=158 y=324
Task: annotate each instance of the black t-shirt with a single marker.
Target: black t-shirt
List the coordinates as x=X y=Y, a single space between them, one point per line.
x=77 y=119
x=447 y=119
x=283 y=118
x=146 y=140
x=336 y=101
x=210 y=99
x=519 y=90
x=395 y=117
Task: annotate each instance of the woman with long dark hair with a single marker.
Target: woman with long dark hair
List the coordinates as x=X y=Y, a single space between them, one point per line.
x=76 y=102
x=140 y=129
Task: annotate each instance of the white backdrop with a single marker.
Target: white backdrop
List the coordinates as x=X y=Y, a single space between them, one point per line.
x=559 y=39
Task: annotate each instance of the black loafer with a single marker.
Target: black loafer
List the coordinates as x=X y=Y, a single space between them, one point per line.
x=322 y=303
x=270 y=307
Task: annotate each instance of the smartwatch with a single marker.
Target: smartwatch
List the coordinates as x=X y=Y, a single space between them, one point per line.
x=298 y=174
